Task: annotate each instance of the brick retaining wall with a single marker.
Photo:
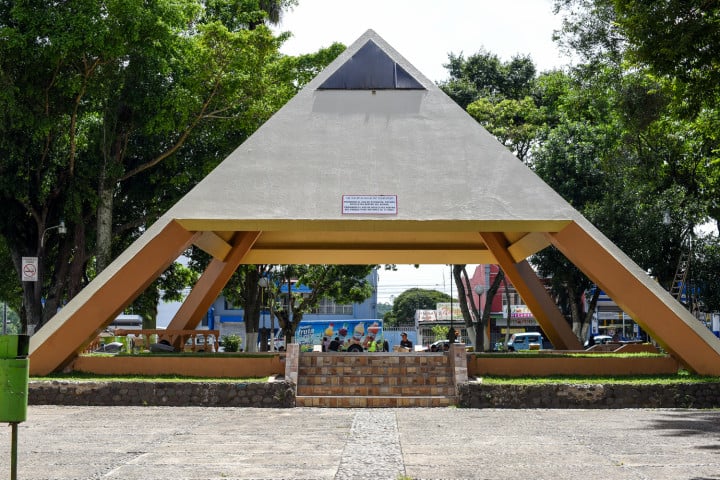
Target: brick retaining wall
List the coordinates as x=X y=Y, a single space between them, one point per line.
x=201 y=394
x=681 y=395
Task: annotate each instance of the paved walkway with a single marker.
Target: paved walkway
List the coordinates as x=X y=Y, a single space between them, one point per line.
x=234 y=443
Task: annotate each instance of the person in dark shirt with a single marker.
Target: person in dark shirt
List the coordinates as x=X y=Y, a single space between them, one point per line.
x=404 y=342
x=334 y=345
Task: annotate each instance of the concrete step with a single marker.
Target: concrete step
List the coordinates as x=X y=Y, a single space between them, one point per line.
x=346 y=380
x=376 y=390
x=370 y=359
x=343 y=401
x=376 y=372
x=445 y=378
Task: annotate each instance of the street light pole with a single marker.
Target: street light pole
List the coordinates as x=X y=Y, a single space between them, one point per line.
x=62 y=230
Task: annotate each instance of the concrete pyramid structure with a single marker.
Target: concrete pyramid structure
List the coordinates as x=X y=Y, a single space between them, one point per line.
x=373 y=163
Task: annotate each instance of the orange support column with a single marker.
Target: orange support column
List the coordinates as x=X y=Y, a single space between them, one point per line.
x=84 y=317
x=212 y=281
x=654 y=309
x=527 y=284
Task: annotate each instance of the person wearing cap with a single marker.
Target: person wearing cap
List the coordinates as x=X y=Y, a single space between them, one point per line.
x=405 y=342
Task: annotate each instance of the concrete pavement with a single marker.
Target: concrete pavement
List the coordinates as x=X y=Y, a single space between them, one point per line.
x=129 y=443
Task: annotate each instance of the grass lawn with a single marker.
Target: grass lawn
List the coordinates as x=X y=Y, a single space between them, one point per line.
x=79 y=377
x=681 y=377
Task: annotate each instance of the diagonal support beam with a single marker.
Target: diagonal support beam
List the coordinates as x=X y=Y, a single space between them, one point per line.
x=530 y=288
x=529 y=244
x=212 y=243
x=211 y=283
x=86 y=315
x=653 y=308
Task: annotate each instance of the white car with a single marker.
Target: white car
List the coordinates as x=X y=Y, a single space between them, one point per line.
x=525 y=341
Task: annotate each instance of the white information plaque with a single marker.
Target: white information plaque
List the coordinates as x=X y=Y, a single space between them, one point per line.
x=369 y=205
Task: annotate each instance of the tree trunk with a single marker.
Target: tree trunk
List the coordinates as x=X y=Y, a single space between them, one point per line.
x=509 y=316
x=31 y=312
x=251 y=339
x=467 y=304
x=589 y=314
x=487 y=310
x=253 y=304
x=103 y=254
x=574 y=310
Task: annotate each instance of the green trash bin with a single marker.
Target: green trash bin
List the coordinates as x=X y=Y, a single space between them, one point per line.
x=14 y=374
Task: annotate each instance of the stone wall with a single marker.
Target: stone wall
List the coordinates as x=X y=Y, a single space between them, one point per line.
x=279 y=394
x=682 y=395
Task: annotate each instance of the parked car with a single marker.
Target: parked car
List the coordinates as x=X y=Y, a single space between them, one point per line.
x=525 y=341
x=597 y=340
x=443 y=346
x=112 y=347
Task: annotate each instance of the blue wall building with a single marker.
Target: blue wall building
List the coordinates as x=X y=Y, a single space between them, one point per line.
x=229 y=319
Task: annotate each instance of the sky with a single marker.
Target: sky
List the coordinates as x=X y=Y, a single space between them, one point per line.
x=425 y=32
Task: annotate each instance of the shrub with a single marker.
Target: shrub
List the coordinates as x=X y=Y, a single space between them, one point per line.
x=232 y=343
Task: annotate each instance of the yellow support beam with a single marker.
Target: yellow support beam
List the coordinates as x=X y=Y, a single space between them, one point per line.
x=211 y=283
x=528 y=245
x=654 y=309
x=86 y=315
x=213 y=244
x=533 y=292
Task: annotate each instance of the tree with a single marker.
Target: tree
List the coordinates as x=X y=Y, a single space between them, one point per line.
x=484 y=319
x=499 y=95
x=705 y=271
x=515 y=123
x=676 y=39
x=470 y=310
x=405 y=304
x=96 y=98
x=244 y=289
x=484 y=75
x=664 y=95
x=342 y=283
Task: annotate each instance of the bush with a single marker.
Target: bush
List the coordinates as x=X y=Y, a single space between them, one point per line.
x=232 y=343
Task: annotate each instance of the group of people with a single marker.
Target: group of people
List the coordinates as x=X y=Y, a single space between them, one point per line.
x=375 y=345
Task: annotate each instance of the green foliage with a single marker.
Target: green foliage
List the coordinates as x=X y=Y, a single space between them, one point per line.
x=342 y=283
x=231 y=343
x=515 y=123
x=616 y=135
x=705 y=272
x=405 y=304
x=103 y=103
x=676 y=39
x=383 y=308
x=440 y=332
x=484 y=75
x=298 y=71
x=13 y=325
x=646 y=100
